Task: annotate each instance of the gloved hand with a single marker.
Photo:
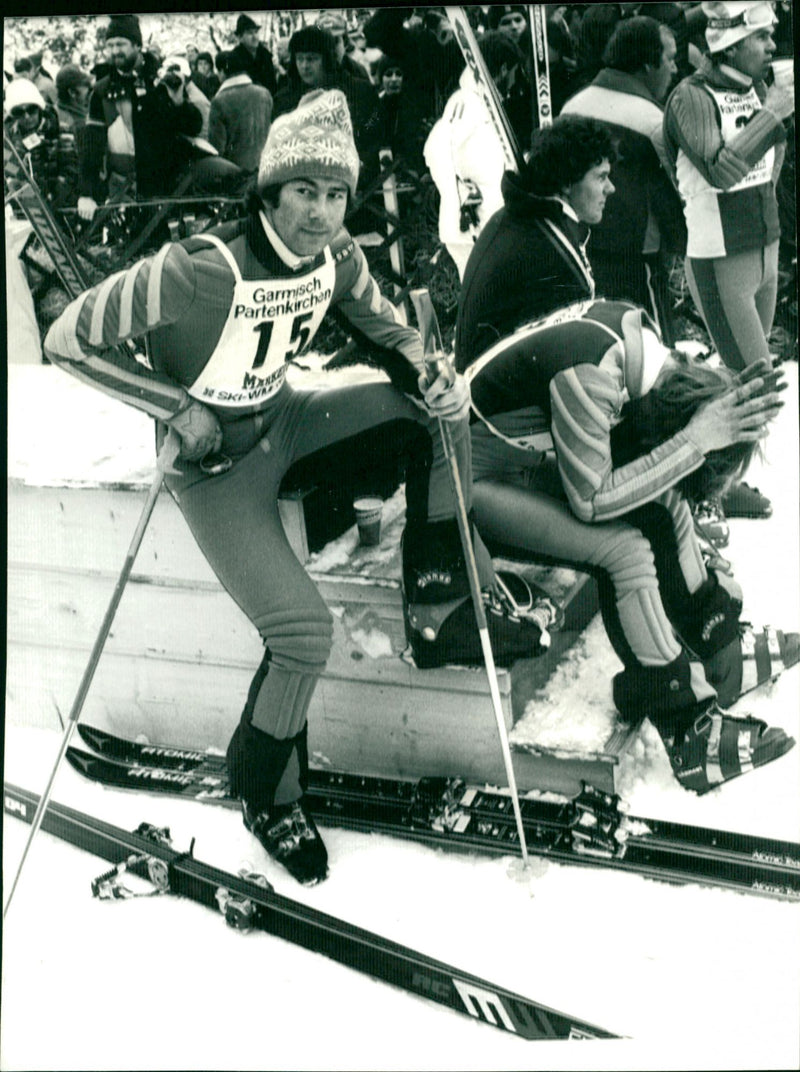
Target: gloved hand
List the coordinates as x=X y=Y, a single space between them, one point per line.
x=447 y=397
x=87 y=206
x=199 y=431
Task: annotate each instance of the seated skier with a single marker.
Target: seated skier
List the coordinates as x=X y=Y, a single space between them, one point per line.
x=639 y=433
x=224 y=313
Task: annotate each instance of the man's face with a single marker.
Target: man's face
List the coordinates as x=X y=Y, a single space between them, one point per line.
x=310 y=214
x=122 y=53
x=513 y=24
x=249 y=39
x=660 y=78
x=204 y=68
x=392 y=80
x=588 y=196
x=79 y=95
x=310 y=68
x=753 y=54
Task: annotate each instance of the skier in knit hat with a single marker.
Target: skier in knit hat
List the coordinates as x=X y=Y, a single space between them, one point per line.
x=724 y=142
x=225 y=313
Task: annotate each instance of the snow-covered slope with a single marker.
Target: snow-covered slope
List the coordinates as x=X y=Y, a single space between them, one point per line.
x=697 y=978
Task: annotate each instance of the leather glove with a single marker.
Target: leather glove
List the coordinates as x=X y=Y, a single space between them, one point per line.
x=199 y=431
x=447 y=397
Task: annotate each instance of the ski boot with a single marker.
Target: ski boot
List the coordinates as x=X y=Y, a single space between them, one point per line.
x=710 y=523
x=717 y=747
x=290 y=836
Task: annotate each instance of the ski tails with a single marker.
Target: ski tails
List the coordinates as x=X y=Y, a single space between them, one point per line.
x=537 y=17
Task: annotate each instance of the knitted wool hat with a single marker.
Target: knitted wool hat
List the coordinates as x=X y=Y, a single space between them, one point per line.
x=22 y=91
x=245 y=23
x=71 y=76
x=126 y=26
x=313 y=141
x=729 y=22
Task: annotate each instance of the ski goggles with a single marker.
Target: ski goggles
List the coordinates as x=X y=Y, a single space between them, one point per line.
x=24 y=109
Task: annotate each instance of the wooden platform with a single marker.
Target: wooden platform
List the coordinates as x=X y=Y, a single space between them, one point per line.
x=181 y=654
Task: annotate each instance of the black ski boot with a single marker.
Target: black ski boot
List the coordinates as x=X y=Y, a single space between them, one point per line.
x=717 y=747
x=290 y=836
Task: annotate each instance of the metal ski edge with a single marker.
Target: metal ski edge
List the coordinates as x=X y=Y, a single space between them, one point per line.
x=310 y=928
x=655 y=833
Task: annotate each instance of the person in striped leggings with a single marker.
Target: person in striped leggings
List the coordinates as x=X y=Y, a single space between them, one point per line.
x=638 y=433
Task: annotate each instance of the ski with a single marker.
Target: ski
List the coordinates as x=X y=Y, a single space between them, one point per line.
x=448 y=813
x=248 y=902
x=537 y=17
x=470 y=49
x=29 y=198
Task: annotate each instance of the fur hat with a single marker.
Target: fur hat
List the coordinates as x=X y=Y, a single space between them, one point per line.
x=313 y=141
x=730 y=22
x=126 y=26
x=22 y=91
x=243 y=24
x=71 y=76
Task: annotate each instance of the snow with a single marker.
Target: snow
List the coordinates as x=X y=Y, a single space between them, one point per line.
x=695 y=978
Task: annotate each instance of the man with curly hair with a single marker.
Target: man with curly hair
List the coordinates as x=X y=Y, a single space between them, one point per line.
x=531 y=256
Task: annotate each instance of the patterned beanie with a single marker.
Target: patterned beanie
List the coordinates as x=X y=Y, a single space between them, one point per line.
x=126 y=26
x=313 y=141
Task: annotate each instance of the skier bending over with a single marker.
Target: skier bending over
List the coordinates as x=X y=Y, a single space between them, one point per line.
x=637 y=431
x=224 y=313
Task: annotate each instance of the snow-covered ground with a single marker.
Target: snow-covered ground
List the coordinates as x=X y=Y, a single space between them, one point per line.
x=696 y=978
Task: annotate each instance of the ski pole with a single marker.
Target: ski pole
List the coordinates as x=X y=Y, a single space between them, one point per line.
x=434 y=359
x=166 y=457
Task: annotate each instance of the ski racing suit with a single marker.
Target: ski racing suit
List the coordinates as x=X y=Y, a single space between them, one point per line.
x=223 y=315
x=560 y=383
x=724 y=151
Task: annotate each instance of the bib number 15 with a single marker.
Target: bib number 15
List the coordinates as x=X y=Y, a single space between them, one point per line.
x=299 y=338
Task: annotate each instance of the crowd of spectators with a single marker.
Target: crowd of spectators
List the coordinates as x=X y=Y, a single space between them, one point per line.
x=137 y=123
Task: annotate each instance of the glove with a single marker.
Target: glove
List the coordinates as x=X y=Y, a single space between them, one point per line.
x=87 y=206
x=199 y=431
x=447 y=397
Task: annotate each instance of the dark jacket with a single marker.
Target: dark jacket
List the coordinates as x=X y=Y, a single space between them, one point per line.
x=528 y=261
x=239 y=121
x=644 y=203
x=362 y=100
x=159 y=155
x=51 y=156
x=259 y=66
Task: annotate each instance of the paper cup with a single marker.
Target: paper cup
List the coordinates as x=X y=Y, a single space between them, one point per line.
x=368 y=518
x=783 y=70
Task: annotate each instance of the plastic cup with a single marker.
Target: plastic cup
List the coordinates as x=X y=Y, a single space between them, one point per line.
x=368 y=518
x=783 y=70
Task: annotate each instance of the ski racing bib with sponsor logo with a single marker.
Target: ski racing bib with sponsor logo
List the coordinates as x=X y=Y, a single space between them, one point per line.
x=271 y=322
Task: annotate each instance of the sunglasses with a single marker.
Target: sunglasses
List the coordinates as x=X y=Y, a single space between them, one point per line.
x=25 y=109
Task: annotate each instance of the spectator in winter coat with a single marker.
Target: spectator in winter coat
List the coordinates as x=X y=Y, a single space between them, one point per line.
x=312 y=65
x=638 y=434
x=255 y=55
x=240 y=118
x=73 y=85
x=464 y=153
x=397 y=123
x=337 y=28
x=192 y=91
x=643 y=219
x=35 y=132
x=431 y=58
x=723 y=139
x=531 y=256
x=31 y=68
x=512 y=20
x=224 y=314
x=203 y=75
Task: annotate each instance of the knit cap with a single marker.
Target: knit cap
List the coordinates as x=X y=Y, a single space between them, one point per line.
x=71 y=76
x=126 y=26
x=313 y=141
x=729 y=22
x=22 y=91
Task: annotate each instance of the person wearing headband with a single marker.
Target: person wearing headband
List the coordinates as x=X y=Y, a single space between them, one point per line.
x=723 y=141
x=638 y=433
